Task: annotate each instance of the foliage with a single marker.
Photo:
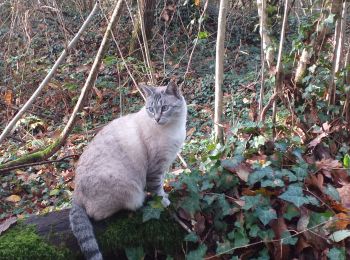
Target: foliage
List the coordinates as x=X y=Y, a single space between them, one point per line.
x=255 y=199
x=23 y=243
x=257 y=189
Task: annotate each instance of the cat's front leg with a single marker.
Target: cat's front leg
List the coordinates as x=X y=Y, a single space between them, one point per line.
x=155 y=184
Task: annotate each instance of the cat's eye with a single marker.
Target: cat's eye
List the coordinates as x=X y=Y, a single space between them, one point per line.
x=165 y=108
x=151 y=109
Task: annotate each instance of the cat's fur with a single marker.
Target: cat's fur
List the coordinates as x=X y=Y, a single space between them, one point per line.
x=128 y=155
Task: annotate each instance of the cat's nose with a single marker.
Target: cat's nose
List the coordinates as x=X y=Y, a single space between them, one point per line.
x=157 y=119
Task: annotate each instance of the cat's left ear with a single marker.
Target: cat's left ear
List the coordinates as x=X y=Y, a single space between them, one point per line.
x=148 y=90
x=172 y=89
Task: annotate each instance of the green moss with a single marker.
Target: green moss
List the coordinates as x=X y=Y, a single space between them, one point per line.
x=21 y=242
x=128 y=230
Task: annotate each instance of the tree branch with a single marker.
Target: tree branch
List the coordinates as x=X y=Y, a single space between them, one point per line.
x=46 y=80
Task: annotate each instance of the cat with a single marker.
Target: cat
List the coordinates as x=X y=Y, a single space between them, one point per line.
x=126 y=157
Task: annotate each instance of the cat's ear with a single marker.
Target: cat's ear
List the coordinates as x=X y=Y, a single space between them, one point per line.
x=172 y=89
x=148 y=90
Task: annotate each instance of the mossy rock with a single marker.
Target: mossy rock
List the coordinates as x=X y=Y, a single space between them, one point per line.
x=49 y=237
x=22 y=242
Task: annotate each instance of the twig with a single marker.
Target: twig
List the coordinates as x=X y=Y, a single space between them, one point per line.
x=145 y=43
x=196 y=40
x=268 y=105
x=181 y=223
x=89 y=83
x=279 y=72
x=46 y=80
x=37 y=163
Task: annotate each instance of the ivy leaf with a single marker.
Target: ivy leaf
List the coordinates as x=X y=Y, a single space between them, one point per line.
x=54 y=192
x=191 y=237
x=258 y=175
x=198 y=253
x=340 y=235
x=291 y=212
x=300 y=172
x=287 y=239
x=266 y=215
x=151 y=213
x=209 y=199
x=251 y=201
x=224 y=248
x=225 y=206
x=254 y=229
x=206 y=185
x=332 y=192
x=336 y=254
x=346 y=161
x=330 y=19
x=286 y=173
x=294 y=194
x=191 y=203
x=239 y=237
x=135 y=253
x=272 y=183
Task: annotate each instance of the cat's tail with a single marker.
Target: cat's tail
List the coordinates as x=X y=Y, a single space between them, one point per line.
x=83 y=231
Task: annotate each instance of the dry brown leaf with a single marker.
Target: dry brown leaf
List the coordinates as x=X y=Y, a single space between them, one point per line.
x=344 y=193
x=315 y=181
x=191 y=131
x=317 y=140
x=199 y=226
x=342 y=222
x=13 y=198
x=8 y=97
x=99 y=94
x=327 y=165
x=165 y=16
x=304 y=219
x=7 y=223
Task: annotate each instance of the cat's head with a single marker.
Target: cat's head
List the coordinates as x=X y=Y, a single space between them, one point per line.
x=164 y=104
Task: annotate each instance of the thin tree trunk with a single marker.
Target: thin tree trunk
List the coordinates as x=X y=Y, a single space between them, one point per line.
x=71 y=45
x=265 y=37
x=279 y=68
x=219 y=71
x=262 y=55
x=337 y=53
x=141 y=9
x=148 y=16
x=52 y=149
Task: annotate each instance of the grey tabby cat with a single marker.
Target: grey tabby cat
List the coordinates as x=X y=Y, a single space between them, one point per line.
x=128 y=155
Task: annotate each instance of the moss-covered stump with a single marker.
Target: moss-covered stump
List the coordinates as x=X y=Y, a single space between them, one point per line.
x=50 y=237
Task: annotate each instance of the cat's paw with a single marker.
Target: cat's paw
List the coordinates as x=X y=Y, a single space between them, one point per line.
x=165 y=202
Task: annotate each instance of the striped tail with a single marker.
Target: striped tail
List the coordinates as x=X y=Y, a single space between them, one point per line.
x=83 y=231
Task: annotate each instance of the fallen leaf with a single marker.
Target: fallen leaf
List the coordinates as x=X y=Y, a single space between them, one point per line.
x=8 y=97
x=327 y=165
x=7 y=223
x=199 y=226
x=13 y=198
x=99 y=94
x=343 y=220
x=344 y=193
x=317 y=140
x=339 y=235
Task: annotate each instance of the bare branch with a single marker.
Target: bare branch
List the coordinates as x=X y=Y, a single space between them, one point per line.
x=48 y=77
